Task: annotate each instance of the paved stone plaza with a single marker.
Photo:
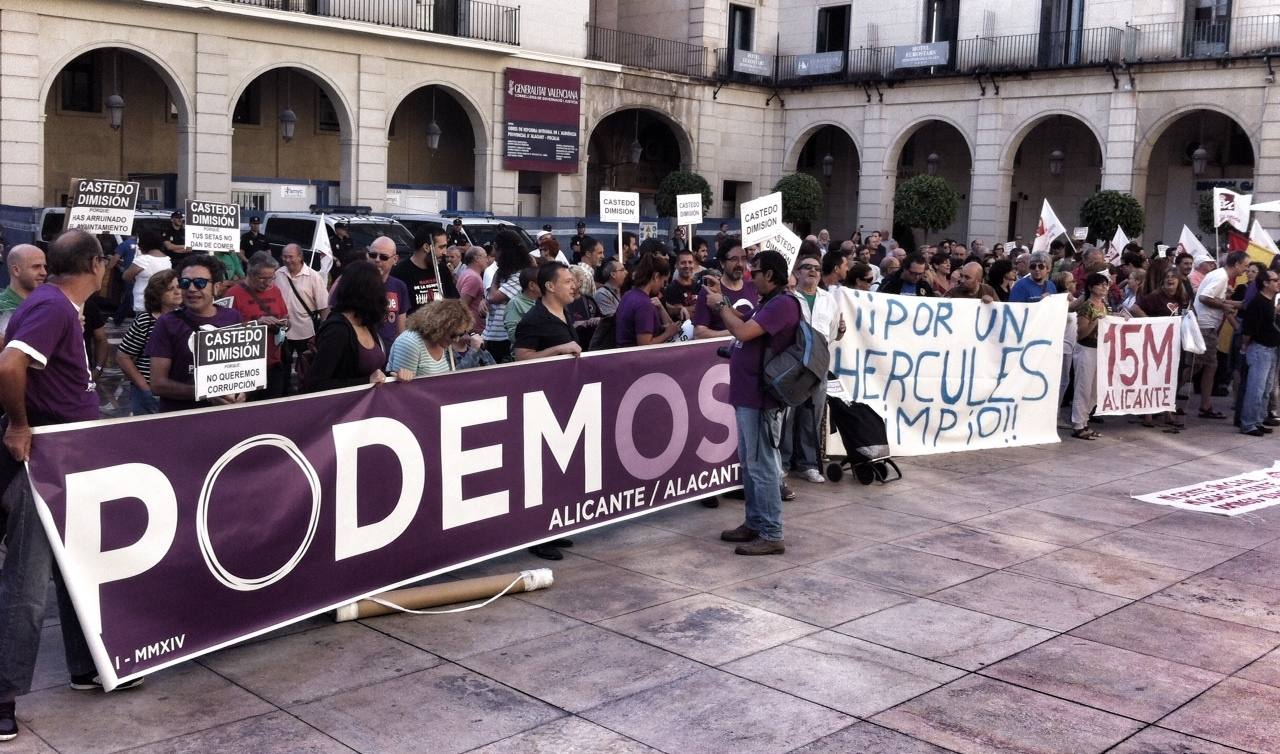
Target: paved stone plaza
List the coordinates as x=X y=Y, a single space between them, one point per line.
x=1011 y=601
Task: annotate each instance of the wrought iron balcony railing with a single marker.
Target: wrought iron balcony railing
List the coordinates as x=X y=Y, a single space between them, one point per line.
x=472 y=19
x=643 y=51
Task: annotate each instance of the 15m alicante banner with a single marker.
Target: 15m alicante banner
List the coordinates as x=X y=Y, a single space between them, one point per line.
x=180 y=534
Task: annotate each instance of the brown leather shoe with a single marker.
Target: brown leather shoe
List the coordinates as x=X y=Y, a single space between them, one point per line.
x=762 y=547
x=740 y=534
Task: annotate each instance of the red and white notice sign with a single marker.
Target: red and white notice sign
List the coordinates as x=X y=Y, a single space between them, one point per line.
x=1137 y=364
x=1232 y=496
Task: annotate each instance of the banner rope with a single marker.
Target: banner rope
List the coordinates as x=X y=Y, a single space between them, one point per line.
x=533 y=580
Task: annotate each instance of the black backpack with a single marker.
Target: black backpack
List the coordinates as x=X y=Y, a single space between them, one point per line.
x=795 y=374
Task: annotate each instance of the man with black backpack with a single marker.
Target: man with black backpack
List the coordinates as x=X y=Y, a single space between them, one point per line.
x=769 y=330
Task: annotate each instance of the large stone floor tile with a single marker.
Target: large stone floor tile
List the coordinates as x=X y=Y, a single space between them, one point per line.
x=1155 y=740
x=868 y=738
x=276 y=733
x=581 y=668
x=1265 y=669
x=1041 y=526
x=1047 y=604
x=1209 y=643
x=844 y=673
x=977 y=715
x=935 y=502
x=1162 y=549
x=1251 y=605
x=866 y=522
x=1246 y=531
x=977 y=546
x=1011 y=487
x=443 y=709
x=1236 y=713
x=172 y=702
x=697 y=563
x=568 y=735
x=902 y=569
x=805 y=545
x=605 y=542
x=302 y=667
x=697 y=520
x=1117 y=512
x=709 y=629
x=1257 y=568
x=1105 y=677
x=1102 y=573
x=946 y=633
x=813 y=596
x=594 y=591
x=506 y=621
x=27 y=742
x=713 y=712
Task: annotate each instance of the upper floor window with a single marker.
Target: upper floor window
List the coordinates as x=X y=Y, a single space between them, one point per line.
x=1209 y=11
x=833 y=29
x=741 y=27
x=941 y=20
x=82 y=85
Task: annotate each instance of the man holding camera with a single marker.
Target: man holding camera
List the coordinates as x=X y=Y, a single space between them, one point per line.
x=773 y=326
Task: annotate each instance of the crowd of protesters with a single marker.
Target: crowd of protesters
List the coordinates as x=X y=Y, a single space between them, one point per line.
x=450 y=305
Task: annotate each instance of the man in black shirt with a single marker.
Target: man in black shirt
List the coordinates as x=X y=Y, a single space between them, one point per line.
x=342 y=245
x=458 y=236
x=681 y=293
x=426 y=273
x=175 y=236
x=1260 y=339
x=253 y=241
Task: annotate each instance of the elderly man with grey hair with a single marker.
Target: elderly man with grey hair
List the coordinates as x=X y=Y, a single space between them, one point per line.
x=1036 y=285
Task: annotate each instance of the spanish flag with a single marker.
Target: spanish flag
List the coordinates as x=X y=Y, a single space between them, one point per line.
x=1261 y=248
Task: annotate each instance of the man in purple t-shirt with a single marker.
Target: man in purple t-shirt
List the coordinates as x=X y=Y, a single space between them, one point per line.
x=173 y=377
x=382 y=252
x=44 y=379
x=758 y=414
x=741 y=294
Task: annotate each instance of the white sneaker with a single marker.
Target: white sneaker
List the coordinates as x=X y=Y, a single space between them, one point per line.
x=813 y=475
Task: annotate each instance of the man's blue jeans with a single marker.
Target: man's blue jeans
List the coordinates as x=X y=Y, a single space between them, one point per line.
x=761 y=470
x=1257 y=390
x=24 y=589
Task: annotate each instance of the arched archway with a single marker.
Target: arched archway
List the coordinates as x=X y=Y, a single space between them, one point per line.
x=116 y=112
x=633 y=150
x=829 y=153
x=1056 y=157
x=448 y=176
x=935 y=147
x=291 y=127
x=1170 y=154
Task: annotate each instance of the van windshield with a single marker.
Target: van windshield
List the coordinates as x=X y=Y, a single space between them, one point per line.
x=363 y=234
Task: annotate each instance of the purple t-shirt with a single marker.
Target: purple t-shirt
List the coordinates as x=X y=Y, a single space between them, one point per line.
x=397 y=303
x=636 y=314
x=171 y=339
x=743 y=301
x=60 y=387
x=779 y=317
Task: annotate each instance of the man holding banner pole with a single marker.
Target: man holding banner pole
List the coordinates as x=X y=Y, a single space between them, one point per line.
x=44 y=379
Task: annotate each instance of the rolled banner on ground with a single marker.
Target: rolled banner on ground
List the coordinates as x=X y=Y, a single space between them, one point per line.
x=450 y=593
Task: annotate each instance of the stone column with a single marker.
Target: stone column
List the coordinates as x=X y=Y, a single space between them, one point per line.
x=876 y=184
x=990 y=182
x=1266 y=164
x=21 y=111
x=1119 y=171
x=204 y=154
x=364 y=153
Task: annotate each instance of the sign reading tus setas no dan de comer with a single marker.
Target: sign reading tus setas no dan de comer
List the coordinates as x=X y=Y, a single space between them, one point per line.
x=213 y=226
x=540 y=126
x=103 y=206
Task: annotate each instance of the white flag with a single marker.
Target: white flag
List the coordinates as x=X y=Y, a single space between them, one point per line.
x=1050 y=228
x=1265 y=207
x=320 y=248
x=1116 y=249
x=1192 y=246
x=1258 y=236
x=1230 y=207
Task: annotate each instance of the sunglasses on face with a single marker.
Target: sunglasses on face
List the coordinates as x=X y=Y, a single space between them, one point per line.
x=812 y=267
x=1039 y=266
x=381 y=257
x=458 y=335
x=868 y=281
x=199 y=283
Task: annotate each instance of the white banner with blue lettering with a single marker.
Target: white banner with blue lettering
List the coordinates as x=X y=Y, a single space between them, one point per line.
x=953 y=374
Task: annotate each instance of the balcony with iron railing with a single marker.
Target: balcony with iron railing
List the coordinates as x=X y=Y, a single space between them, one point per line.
x=643 y=51
x=1249 y=37
x=470 y=19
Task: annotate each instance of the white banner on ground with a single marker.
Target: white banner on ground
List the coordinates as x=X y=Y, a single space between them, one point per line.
x=785 y=243
x=953 y=374
x=688 y=209
x=103 y=206
x=619 y=207
x=761 y=218
x=230 y=360
x=1138 y=364
x=1242 y=493
x=213 y=226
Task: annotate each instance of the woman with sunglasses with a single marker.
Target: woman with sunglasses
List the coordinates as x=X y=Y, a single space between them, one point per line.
x=169 y=346
x=426 y=346
x=348 y=351
x=860 y=276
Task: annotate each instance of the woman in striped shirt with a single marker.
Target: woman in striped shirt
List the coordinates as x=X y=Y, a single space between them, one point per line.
x=161 y=296
x=425 y=346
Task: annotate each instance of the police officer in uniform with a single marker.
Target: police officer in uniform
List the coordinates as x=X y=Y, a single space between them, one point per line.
x=254 y=241
x=175 y=236
x=342 y=243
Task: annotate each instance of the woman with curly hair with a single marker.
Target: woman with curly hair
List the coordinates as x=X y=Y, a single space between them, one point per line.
x=426 y=346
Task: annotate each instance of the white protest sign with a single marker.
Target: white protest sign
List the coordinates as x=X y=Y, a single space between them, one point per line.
x=1080 y=234
x=953 y=374
x=1242 y=493
x=786 y=243
x=103 y=206
x=230 y=360
x=213 y=226
x=1138 y=364
x=619 y=207
x=761 y=218
x=688 y=209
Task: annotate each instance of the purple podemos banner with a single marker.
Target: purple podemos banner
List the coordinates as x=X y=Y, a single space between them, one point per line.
x=183 y=533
